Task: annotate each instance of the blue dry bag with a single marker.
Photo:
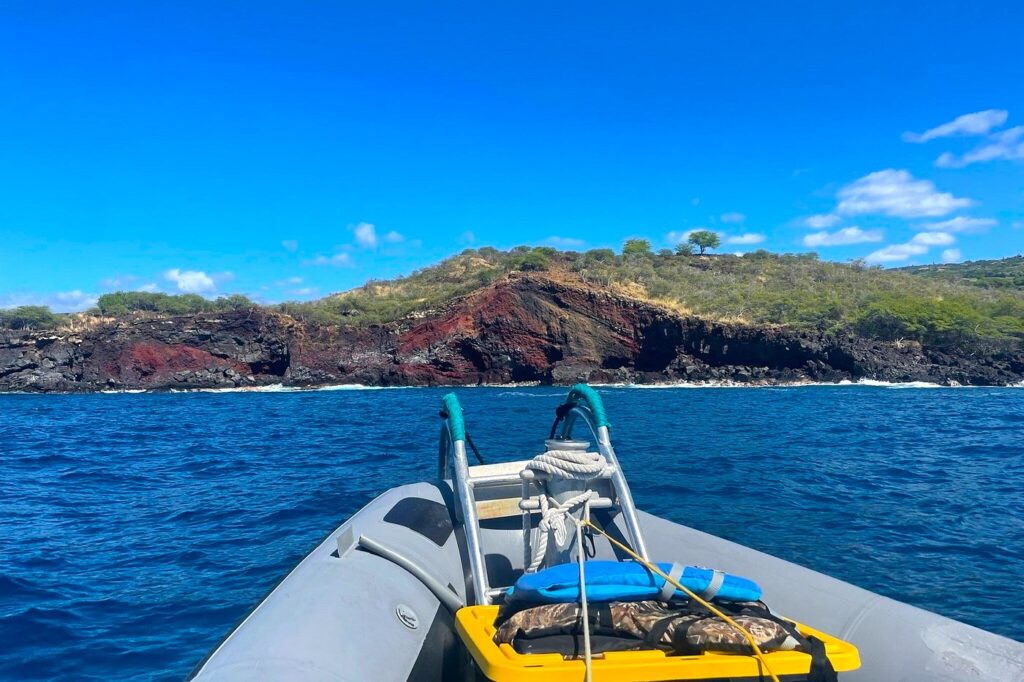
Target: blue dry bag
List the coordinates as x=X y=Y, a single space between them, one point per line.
x=625 y=581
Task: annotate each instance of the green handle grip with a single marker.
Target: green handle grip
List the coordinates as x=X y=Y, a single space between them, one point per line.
x=581 y=393
x=456 y=422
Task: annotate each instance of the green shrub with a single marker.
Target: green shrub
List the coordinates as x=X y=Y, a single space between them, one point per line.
x=636 y=247
x=531 y=261
x=601 y=255
x=28 y=317
x=124 y=302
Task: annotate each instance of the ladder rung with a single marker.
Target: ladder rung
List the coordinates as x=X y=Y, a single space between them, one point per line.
x=491 y=479
x=600 y=503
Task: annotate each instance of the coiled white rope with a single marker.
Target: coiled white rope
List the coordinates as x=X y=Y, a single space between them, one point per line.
x=566 y=464
x=569 y=464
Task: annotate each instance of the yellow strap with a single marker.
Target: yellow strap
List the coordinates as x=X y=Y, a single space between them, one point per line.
x=758 y=654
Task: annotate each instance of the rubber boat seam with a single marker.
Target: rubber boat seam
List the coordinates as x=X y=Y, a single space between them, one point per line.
x=859 y=617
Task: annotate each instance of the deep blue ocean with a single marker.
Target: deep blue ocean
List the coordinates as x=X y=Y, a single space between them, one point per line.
x=135 y=530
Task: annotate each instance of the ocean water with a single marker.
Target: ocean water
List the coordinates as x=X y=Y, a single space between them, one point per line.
x=135 y=530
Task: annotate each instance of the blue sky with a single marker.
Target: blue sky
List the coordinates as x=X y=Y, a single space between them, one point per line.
x=289 y=150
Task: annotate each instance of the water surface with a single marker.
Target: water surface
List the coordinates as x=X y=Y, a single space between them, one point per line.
x=135 y=530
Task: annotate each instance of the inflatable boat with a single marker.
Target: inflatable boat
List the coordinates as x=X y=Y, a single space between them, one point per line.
x=542 y=569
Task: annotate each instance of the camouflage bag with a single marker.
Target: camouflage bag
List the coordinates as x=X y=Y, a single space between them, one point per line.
x=676 y=627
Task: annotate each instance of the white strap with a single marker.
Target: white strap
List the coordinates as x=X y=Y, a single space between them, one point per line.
x=717 y=579
x=668 y=589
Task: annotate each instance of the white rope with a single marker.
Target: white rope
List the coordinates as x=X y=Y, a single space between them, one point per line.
x=552 y=520
x=566 y=464
x=576 y=466
x=569 y=464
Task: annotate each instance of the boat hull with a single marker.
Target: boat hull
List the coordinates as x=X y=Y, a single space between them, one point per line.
x=345 y=613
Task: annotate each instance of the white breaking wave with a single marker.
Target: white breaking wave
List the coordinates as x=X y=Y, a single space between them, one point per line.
x=795 y=384
x=275 y=388
x=281 y=388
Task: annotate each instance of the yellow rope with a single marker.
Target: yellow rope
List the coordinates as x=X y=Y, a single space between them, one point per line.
x=758 y=654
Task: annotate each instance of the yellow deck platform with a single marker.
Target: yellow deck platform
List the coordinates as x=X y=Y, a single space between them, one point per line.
x=475 y=625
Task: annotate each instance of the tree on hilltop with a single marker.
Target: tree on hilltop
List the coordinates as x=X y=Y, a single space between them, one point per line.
x=705 y=239
x=636 y=247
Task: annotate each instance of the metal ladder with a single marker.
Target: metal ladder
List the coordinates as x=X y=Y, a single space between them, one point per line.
x=500 y=490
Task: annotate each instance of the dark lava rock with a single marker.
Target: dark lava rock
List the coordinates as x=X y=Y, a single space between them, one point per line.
x=521 y=329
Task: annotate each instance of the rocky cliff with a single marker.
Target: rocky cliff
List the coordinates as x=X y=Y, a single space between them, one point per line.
x=523 y=328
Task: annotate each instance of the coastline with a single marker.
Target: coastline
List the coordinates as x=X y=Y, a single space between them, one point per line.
x=680 y=385
x=519 y=331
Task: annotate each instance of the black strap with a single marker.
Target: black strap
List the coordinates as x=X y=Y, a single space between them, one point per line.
x=560 y=413
x=472 y=446
x=658 y=631
x=589 y=546
x=821 y=668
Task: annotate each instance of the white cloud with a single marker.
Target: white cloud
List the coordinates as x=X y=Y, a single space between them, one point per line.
x=843 y=237
x=73 y=301
x=393 y=237
x=467 y=237
x=695 y=201
x=680 y=236
x=917 y=246
x=1017 y=224
x=952 y=256
x=933 y=239
x=896 y=193
x=73 y=298
x=304 y=291
x=288 y=282
x=149 y=288
x=366 y=235
x=60 y=302
x=564 y=242
x=978 y=123
x=733 y=218
x=1006 y=145
x=748 y=238
x=962 y=224
x=290 y=245
x=822 y=221
x=190 y=281
x=896 y=252
x=338 y=260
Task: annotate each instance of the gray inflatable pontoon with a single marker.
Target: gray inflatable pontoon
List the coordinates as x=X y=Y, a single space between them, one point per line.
x=377 y=599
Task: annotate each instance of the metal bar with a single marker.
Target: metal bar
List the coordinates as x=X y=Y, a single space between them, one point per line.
x=531 y=504
x=470 y=521
x=490 y=479
x=526 y=523
x=604 y=446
